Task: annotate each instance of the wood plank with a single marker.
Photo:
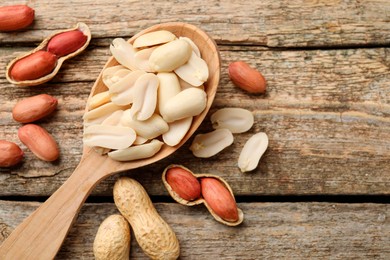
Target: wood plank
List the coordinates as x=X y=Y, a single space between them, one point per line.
x=270 y=230
x=326 y=113
x=269 y=23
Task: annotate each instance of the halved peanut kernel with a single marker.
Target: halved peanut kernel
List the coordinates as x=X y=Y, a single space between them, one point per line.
x=122 y=91
x=107 y=136
x=189 y=102
x=99 y=99
x=141 y=59
x=108 y=75
x=251 y=154
x=193 y=45
x=195 y=71
x=209 y=144
x=177 y=131
x=237 y=120
x=168 y=88
x=123 y=52
x=145 y=96
x=170 y=56
x=154 y=38
x=150 y=128
x=113 y=119
x=104 y=110
x=136 y=152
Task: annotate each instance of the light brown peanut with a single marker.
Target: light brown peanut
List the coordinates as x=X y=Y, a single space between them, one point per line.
x=34 y=108
x=39 y=141
x=112 y=240
x=153 y=234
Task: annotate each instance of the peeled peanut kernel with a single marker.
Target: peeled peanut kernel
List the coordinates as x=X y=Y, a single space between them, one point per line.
x=39 y=141
x=193 y=45
x=10 y=154
x=102 y=111
x=33 y=66
x=150 y=128
x=170 y=56
x=136 y=152
x=141 y=59
x=66 y=43
x=34 y=108
x=177 y=131
x=237 y=120
x=145 y=96
x=122 y=91
x=195 y=71
x=189 y=102
x=219 y=199
x=123 y=52
x=168 y=88
x=112 y=240
x=114 y=118
x=107 y=136
x=184 y=183
x=153 y=38
x=140 y=140
x=108 y=74
x=209 y=144
x=184 y=85
x=251 y=154
x=98 y=100
x=15 y=17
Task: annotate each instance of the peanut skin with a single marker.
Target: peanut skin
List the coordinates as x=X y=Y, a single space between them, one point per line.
x=34 y=108
x=247 y=78
x=183 y=183
x=15 y=17
x=219 y=199
x=65 y=43
x=33 y=66
x=39 y=141
x=10 y=154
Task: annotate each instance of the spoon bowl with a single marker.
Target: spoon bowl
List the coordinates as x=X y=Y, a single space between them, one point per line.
x=41 y=235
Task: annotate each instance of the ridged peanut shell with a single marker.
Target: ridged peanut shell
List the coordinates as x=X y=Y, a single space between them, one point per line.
x=201 y=200
x=112 y=240
x=42 y=46
x=153 y=234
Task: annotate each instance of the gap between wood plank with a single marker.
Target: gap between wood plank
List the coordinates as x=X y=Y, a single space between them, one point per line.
x=379 y=199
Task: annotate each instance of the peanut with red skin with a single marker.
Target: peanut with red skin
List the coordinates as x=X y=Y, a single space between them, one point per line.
x=247 y=78
x=34 y=108
x=10 y=154
x=183 y=183
x=67 y=42
x=219 y=199
x=15 y=17
x=33 y=66
x=39 y=141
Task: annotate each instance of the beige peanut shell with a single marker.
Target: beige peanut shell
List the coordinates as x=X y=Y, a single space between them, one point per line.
x=112 y=240
x=42 y=46
x=182 y=201
x=153 y=234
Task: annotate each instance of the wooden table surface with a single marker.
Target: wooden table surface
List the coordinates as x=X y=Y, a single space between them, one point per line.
x=321 y=189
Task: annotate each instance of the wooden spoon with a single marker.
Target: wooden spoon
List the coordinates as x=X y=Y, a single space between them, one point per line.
x=41 y=234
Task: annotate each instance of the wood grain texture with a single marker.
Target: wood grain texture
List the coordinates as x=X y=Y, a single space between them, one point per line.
x=270 y=230
x=326 y=113
x=269 y=23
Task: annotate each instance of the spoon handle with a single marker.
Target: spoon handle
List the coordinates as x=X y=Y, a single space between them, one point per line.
x=41 y=234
